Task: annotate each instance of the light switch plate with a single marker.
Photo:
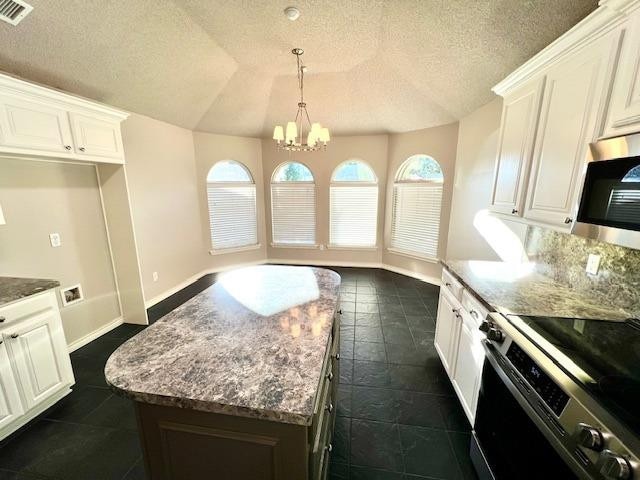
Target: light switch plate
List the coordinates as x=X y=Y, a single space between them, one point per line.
x=55 y=239
x=593 y=264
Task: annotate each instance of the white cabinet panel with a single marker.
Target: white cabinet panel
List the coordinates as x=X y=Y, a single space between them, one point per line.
x=39 y=356
x=468 y=366
x=570 y=118
x=10 y=405
x=624 y=107
x=447 y=328
x=34 y=126
x=96 y=137
x=517 y=134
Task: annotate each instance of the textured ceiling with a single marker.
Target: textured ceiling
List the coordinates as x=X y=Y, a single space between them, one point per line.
x=224 y=66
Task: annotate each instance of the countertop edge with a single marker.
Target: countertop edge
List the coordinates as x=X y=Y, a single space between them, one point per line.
x=39 y=286
x=475 y=294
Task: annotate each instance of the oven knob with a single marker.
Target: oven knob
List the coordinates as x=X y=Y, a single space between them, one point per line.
x=588 y=437
x=485 y=326
x=495 y=334
x=613 y=466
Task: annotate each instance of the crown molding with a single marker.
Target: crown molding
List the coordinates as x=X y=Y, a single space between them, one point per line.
x=609 y=15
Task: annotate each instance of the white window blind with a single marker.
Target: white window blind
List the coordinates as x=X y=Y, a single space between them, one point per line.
x=293 y=213
x=232 y=215
x=415 y=223
x=353 y=215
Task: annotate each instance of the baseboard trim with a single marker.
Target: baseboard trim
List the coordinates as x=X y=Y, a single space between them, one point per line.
x=193 y=278
x=81 y=342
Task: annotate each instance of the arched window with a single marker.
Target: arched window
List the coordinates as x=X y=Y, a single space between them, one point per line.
x=293 y=205
x=231 y=194
x=417 y=202
x=353 y=205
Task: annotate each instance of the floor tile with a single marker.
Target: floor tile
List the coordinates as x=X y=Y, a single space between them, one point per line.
x=370 y=403
x=461 y=444
x=89 y=371
x=348 y=318
x=368 y=319
x=366 y=298
x=346 y=350
x=338 y=471
x=125 y=331
x=393 y=319
x=426 y=378
x=427 y=452
x=374 y=352
x=347 y=332
x=422 y=409
x=372 y=374
x=398 y=335
x=422 y=322
x=367 y=308
x=453 y=414
x=347 y=296
x=341 y=441
x=78 y=404
x=346 y=370
x=386 y=454
x=347 y=306
x=344 y=401
x=368 y=334
x=409 y=354
x=136 y=472
x=366 y=473
x=423 y=338
x=114 y=412
x=391 y=308
x=102 y=348
x=8 y=475
x=388 y=299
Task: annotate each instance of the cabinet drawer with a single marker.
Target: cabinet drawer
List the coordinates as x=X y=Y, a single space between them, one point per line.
x=28 y=307
x=477 y=312
x=451 y=284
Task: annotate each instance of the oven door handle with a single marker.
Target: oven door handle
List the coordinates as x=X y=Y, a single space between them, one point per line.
x=550 y=434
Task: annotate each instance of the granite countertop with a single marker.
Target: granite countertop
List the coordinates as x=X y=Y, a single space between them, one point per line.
x=520 y=289
x=253 y=345
x=15 y=288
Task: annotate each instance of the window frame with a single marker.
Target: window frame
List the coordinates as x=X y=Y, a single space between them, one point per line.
x=312 y=182
x=216 y=183
x=398 y=183
x=357 y=184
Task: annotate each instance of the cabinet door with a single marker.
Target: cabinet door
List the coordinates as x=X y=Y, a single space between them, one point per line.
x=520 y=111
x=39 y=356
x=31 y=125
x=571 y=117
x=447 y=327
x=96 y=137
x=624 y=107
x=468 y=367
x=10 y=405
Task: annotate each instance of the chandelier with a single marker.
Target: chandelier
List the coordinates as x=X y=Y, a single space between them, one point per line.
x=293 y=137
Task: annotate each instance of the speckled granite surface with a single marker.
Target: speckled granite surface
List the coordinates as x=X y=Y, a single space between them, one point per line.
x=15 y=288
x=251 y=345
x=521 y=289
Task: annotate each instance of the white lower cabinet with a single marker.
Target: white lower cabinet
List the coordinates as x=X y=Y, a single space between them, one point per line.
x=458 y=341
x=35 y=369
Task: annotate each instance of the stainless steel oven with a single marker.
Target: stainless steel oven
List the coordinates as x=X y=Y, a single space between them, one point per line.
x=609 y=207
x=534 y=418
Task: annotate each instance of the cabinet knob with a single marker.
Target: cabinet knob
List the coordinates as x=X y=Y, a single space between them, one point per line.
x=2 y=319
x=329 y=407
x=337 y=356
x=568 y=220
x=67 y=147
x=330 y=376
x=447 y=284
x=340 y=311
x=329 y=448
x=14 y=335
x=81 y=149
x=514 y=211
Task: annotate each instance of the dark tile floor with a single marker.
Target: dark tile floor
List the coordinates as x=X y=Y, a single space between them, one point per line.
x=398 y=418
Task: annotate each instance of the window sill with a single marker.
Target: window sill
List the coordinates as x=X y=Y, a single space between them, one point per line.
x=296 y=245
x=417 y=256
x=372 y=248
x=247 y=248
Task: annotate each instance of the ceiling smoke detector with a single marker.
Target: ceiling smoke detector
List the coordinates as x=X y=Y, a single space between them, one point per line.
x=292 y=13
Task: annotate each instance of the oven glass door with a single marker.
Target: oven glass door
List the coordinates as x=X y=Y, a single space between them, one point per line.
x=512 y=444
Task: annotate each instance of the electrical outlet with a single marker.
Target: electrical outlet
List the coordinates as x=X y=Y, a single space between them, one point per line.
x=55 y=239
x=155 y=276
x=593 y=264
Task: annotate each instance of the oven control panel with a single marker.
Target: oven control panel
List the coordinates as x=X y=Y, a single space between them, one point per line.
x=552 y=395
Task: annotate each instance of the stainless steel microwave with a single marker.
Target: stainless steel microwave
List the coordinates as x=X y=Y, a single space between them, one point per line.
x=609 y=208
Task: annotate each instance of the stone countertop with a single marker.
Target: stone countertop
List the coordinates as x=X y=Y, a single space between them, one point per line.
x=15 y=288
x=252 y=345
x=520 y=289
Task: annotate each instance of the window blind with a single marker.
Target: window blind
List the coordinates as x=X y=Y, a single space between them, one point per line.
x=353 y=215
x=232 y=215
x=293 y=213
x=415 y=225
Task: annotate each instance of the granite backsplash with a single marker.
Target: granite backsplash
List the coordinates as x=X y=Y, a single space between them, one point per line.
x=563 y=257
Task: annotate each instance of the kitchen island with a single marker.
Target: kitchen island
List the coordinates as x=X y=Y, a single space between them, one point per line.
x=238 y=382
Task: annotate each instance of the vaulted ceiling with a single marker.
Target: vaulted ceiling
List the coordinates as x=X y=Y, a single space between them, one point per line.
x=225 y=66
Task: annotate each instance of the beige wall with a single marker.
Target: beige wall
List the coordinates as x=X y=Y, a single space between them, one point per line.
x=439 y=143
x=210 y=149
x=373 y=150
x=39 y=198
x=473 y=233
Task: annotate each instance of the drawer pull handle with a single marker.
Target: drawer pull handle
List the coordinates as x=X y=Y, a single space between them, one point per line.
x=2 y=319
x=14 y=335
x=454 y=310
x=67 y=147
x=329 y=448
x=447 y=284
x=514 y=211
x=329 y=407
x=568 y=220
x=330 y=376
x=82 y=149
x=473 y=313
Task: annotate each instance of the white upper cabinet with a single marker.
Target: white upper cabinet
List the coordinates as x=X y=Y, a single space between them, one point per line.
x=32 y=125
x=96 y=137
x=517 y=133
x=624 y=108
x=38 y=121
x=571 y=117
